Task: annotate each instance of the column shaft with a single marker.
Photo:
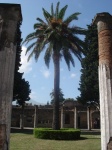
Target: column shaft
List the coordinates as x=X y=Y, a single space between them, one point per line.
x=75 y=117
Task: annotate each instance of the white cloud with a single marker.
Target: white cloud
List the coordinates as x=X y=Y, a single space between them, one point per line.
x=33 y=95
x=45 y=72
x=73 y=75
x=26 y=66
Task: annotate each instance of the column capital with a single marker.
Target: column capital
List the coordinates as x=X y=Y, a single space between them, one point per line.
x=10 y=16
x=103 y=21
x=10 y=11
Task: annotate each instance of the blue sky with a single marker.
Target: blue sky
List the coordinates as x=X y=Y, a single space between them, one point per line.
x=39 y=76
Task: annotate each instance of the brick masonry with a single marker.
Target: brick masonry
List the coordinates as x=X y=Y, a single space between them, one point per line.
x=105 y=50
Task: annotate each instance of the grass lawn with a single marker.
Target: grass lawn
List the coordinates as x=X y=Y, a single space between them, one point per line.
x=24 y=140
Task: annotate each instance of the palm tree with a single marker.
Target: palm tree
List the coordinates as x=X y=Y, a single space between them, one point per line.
x=61 y=96
x=60 y=40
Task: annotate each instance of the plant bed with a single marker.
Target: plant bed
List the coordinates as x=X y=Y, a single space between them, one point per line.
x=62 y=134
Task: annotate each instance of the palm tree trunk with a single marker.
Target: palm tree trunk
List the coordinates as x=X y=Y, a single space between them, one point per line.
x=56 y=124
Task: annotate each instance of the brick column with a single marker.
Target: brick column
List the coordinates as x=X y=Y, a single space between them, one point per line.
x=104 y=25
x=10 y=16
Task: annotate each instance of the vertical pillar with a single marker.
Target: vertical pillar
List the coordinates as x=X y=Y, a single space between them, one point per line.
x=75 y=117
x=36 y=117
x=10 y=16
x=62 y=117
x=88 y=118
x=104 y=25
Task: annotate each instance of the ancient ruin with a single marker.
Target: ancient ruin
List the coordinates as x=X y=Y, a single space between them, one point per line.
x=104 y=25
x=10 y=16
x=72 y=115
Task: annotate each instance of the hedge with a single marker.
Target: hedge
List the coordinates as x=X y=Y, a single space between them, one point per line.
x=62 y=134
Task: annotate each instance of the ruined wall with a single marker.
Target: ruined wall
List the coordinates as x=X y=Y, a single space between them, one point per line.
x=45 y=117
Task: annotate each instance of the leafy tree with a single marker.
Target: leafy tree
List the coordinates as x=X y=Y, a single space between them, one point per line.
x=60 y=40
x=89 y=78
x=61 y=96
x=21 y=88
x=19 y=83
x=23 y=92
x=23 y=96
x=69 y=99
x=17 y=75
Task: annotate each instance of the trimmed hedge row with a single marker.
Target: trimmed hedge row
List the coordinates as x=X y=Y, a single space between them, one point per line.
x=62 y=134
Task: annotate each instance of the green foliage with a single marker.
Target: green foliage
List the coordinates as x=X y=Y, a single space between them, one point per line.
x=89 y=87
x=61 y=96
x=57 y=35
x=63 y=134
x=21 y=88
x=23 y=92
x=57 y=39
x=69 y=99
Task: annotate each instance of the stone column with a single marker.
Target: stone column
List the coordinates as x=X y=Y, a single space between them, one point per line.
x=10 y=16
x=88 y=118
x=75 y=117
x=104 y=25
x=36 y=117
x=62 y=117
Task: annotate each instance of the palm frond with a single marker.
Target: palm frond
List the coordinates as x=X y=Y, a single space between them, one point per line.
x=39 y=32
x=77 y=54
x=31 y=54
x=78 y=41
x=68 y=57
x=47 y=15
x=52 y=10
x=50 y=35
x=29 y=38
x=76 y=50
x=62 y=12
x=37 y=50
x=30 y=46
x=72 y=17
x=47 y=30
x=57 y=10
x=77 y=30
x=43 y=43
x=48 y=54
x=37 y=25
x=40 y=20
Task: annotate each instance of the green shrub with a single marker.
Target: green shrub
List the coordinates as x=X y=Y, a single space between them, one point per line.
x=62 y=134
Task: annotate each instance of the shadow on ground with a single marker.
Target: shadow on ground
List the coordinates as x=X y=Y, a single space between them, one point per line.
x=91 y=132
x=18 y=130
x=30 y=131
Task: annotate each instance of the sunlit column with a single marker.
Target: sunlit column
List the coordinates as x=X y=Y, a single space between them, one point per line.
x=36 y=117
x=75 y=117
x=104 y=25
x=88 y=118
x=62 y=117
